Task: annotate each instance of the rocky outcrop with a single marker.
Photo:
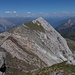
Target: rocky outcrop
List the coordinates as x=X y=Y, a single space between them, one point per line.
x=2 y=63
x=37 y=44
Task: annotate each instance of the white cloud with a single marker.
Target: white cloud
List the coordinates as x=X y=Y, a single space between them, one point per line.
x=64 y=12
x=14 y=12
x=28 y=12
x=8 y=12
x=16 y=15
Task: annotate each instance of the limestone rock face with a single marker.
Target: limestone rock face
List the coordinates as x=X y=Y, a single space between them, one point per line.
x=38 y=44
x=2 y=62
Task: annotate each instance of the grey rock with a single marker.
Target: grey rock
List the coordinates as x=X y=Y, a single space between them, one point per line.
x=2 y=61
x=38 y=48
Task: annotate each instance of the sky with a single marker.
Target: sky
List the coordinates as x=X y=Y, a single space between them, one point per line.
x=36 y=6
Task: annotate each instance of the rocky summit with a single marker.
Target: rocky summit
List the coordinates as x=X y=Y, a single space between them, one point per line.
x=34 y=45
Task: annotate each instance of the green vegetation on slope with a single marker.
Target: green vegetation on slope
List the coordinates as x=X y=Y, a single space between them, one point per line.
x=71 y=44
x=35 y=26
x=12 y=29
x=1 y=37
x=69 y=35
x=60 y=68
x=63 y=68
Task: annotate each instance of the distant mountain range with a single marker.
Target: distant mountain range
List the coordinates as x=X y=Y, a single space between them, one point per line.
x=19 y=20
x=9 y=22
x=67 y=29
x=4 y=25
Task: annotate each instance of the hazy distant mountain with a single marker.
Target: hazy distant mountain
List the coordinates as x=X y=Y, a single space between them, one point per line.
x=33 y=45
x=67 y=29
x=4 y=25
x=68 y=26
x=8 y=22
x=56 y=21
x=19 y=20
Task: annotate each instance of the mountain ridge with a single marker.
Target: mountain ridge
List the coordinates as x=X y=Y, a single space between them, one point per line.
x=4 y=25
x=67 y=29
x=35 y=47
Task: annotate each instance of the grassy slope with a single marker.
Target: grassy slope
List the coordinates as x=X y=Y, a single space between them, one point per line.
x=69 y=35
x=33 y=26
x=59 y=68
x=71 y=44
x=12 y=29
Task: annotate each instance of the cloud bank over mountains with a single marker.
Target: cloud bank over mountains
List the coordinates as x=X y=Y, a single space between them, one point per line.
x=8 y=12
x=30 y=14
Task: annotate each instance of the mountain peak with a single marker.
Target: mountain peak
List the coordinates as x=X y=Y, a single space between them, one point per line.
x=40 y=18
x=43 y=23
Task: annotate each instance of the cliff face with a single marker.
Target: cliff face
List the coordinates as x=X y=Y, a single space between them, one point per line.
x=37 y=44
x=2 y=63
